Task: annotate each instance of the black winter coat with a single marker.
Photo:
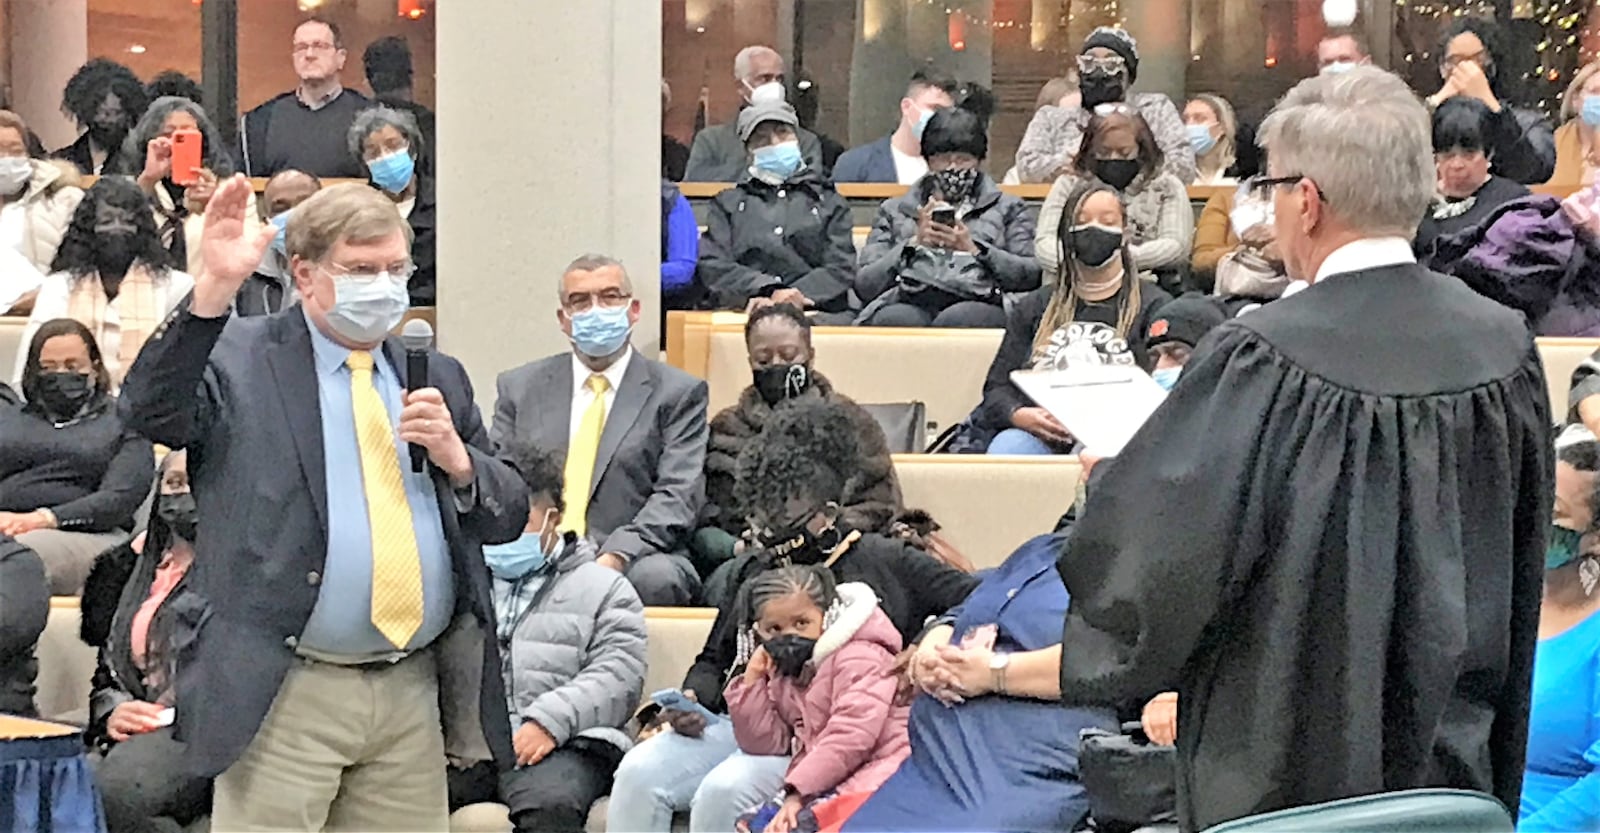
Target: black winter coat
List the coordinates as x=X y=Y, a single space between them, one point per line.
x=24 y=608
x=761 y=238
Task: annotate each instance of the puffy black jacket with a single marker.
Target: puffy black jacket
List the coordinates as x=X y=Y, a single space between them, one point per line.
x=761 y=238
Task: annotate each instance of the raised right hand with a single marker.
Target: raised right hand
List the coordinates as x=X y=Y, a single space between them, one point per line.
x=1041 y=423
x=134 y=717
x=157 y=162
x=229 y=252
x=688 y=724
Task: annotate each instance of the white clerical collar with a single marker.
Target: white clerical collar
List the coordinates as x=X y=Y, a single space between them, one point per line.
x=1368 y=253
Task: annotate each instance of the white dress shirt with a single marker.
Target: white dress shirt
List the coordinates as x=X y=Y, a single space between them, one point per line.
x=1369 y=253
x=582 y=396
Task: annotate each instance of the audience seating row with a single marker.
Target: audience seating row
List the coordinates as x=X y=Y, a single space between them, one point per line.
x=943 y=368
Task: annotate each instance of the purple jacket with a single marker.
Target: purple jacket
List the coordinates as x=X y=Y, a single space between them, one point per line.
x=843 y=727
x=1529 y=256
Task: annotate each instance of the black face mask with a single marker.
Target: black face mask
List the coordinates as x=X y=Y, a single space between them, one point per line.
x=799 y=545
x=108 y=135
x=777 y=382
x=1101 y=88
x=180 y=514
x=956 y=184
x=1118 y=173
x=113 y=252
x=62 y=394
x=790 y=653
x=1094 y=246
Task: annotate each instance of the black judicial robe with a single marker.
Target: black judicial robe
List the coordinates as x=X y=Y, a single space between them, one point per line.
x=1330 y=542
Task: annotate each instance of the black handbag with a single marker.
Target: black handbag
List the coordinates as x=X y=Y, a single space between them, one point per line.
x=1130 y=782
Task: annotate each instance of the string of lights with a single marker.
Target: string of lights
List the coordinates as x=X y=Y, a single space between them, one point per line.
x=1562 y=27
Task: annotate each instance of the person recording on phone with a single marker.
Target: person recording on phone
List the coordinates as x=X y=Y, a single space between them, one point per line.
x=141 y=610
x=176 y=156
x=573 y=660
x=947 y=253
x=331 y=678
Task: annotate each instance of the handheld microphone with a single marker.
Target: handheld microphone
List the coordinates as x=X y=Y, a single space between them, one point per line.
x=417 y=337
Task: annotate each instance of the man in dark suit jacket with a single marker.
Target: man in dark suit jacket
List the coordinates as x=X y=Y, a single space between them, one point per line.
x=344 y=592
x=897 y=157
x=633 y=431
x=718 y=153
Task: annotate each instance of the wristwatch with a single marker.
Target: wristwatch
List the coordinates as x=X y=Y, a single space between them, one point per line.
x=998 y=663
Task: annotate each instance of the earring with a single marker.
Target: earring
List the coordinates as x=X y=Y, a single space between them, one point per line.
x=832 y=616
x=746 y=647
x=1589 y=574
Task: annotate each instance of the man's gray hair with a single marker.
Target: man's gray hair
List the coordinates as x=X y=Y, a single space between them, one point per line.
x=589 y=263
x=373 y=119
x=741 y=61
x=1365 y=140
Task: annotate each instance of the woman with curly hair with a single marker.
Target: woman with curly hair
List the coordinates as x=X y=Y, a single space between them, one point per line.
x=111 y=274
x=147 y=156
x=105 y=98
x=790 y=486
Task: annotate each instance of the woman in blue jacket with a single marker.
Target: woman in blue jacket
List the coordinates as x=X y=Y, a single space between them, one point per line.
x=1561 y=787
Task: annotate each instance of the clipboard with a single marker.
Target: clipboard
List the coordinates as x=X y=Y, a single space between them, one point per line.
x=1103 y=405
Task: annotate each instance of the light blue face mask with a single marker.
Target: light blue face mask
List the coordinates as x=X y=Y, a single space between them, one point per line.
x=1166 y=377
x=922 y=124
x=365 y=311
x=1591 y=110
x=600 y=331
x=780 y=160
x=1338 y=68
x=392 y=171
x=280 y=241
x=1200 y=139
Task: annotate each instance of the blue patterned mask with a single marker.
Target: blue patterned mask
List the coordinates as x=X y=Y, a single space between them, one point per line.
x=600 y=331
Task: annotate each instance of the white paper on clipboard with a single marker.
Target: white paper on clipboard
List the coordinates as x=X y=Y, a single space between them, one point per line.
x=1103 y=405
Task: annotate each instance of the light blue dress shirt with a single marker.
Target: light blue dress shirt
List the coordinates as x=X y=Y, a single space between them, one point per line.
x=341 y=623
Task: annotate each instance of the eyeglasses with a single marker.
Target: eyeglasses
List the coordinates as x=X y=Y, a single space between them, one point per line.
x=318 y=46
x=398 y=272
x=1450 y=62
x=1261 y=187
x=1108 y=63
x=585 y=301
x=1114 y=108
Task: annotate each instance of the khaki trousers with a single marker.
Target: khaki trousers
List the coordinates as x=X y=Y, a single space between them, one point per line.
x=342 y=749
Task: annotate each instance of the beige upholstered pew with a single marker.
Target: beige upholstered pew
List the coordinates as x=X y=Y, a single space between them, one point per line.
x=988 y=506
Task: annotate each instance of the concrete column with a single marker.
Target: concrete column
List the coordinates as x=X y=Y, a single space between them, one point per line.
x=896 y=37
x=550 y=120
x=49 y=41
x=1162 y=29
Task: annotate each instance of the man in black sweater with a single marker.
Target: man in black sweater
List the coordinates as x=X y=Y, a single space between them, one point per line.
x=305 y=128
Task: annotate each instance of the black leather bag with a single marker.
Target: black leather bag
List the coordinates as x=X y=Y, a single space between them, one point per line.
x=1130 y=782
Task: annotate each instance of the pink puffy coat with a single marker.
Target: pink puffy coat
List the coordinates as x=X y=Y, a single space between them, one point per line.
x=844 y=730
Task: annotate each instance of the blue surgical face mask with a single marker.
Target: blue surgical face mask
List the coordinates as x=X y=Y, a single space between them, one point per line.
x=1591 y=110
x=1166 y=377
x=600 y=331
x=1200 y=139
x=280 y=241
x=922 y=124
x=780 y=160
x=1338 y=68
x=392 y=171
x=365 y=311
x=525 y=555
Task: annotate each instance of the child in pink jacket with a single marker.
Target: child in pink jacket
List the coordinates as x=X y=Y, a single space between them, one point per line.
x=817 y=685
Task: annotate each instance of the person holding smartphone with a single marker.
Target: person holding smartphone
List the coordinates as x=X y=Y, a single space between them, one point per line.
x=140 y=610
x=949 y=252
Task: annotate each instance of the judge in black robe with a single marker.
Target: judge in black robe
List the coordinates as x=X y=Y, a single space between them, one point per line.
x=1329 y=539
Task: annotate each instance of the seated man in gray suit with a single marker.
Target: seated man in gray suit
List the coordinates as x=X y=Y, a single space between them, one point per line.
x=633 y=432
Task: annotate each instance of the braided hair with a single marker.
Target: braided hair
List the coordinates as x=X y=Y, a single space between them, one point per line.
x=1064 y=299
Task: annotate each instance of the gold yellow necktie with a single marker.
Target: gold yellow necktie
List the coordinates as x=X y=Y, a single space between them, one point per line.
x=581 y=454
x=396 y=565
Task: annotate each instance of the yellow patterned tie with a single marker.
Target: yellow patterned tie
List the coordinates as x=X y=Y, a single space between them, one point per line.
x=581 y=454
x=396 y=565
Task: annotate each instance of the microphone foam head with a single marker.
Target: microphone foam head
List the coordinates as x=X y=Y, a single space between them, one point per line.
x=417 y=335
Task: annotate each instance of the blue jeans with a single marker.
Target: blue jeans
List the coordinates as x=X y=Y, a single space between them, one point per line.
x=708 y=776
x=1018 y=441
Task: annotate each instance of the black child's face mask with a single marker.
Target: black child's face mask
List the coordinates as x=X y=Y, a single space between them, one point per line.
x=790 y=653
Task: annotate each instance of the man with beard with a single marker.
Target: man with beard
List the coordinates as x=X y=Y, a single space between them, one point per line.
x=1329 y=539
x=1108 y=65
x=105 y=98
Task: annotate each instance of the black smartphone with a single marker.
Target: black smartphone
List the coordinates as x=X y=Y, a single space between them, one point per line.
x=944 y=215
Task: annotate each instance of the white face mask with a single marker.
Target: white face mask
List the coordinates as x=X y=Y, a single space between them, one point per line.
x=771 y=92
x=15 y=171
